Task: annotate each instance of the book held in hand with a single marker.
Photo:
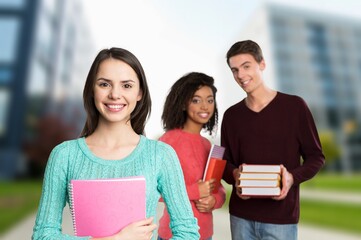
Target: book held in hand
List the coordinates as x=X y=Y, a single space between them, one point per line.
x=266 y=176
x=215 y=166
x=259 y=183
x=261 y=168
x=260 y=180
x=261 y=191
x=102 y=207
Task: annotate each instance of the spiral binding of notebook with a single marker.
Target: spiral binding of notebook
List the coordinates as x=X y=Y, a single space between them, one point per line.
x=71 y=207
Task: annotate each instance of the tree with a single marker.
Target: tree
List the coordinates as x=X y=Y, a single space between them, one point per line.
x=330 y=148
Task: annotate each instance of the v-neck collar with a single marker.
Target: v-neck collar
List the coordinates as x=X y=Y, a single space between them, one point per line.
x=263 y=109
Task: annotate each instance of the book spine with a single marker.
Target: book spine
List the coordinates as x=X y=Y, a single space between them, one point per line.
x=259 y=176
x=254 y=168
x=71 y=207
x=259 y=183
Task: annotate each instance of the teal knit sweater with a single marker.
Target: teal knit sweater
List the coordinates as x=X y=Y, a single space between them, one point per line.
x=154 y=160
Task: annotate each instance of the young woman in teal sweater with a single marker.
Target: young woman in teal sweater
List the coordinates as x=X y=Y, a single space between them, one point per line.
x=117 y=102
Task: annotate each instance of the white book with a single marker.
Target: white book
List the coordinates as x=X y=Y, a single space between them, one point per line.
x=261 y=192
x=261 y=168
x=259 y=176
x=259 y=183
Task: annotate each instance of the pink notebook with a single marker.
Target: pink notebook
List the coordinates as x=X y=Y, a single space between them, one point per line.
x=102 y=207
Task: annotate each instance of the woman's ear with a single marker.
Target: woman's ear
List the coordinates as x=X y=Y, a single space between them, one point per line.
x=140 y=95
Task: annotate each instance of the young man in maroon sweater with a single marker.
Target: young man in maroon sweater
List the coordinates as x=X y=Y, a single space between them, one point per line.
x=267 y=127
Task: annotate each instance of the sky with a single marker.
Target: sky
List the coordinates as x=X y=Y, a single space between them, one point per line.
x=172 y=38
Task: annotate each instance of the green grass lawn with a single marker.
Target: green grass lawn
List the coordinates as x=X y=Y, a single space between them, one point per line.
x=340 y=183
x=341 y=216
x=17 y=200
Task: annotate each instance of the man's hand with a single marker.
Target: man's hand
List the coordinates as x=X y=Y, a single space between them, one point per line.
x=236 y=172
x=287 y=182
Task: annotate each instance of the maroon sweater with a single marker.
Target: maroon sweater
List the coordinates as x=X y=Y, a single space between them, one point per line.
x=282 y=133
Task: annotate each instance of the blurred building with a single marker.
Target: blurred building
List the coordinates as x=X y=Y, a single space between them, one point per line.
x=44 y=59
x=317 y=56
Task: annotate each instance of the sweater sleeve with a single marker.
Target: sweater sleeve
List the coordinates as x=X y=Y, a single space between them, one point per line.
x=311 y=151
x=228 y=170
x=172 y=188
x=220 y=197
x=186 y=159
x=193 y=191
x=48 y=223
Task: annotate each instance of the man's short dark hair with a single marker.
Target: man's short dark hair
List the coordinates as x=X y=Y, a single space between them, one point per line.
x=246 y=46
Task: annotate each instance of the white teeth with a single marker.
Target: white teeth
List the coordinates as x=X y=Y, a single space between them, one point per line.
x=204 y=115
x=245 y=82
x=115 y=106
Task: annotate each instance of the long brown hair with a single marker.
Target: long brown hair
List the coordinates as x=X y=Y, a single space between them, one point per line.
x=142 y=110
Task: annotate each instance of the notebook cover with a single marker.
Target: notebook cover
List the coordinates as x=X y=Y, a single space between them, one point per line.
x=102 y=207
x=215 y=165
x=215 y=170
x=215 y=152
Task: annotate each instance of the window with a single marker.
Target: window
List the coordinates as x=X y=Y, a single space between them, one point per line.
x=5 y=75
x=12 y=3
x=4 y=104
x=37 y=82
x=9 y=28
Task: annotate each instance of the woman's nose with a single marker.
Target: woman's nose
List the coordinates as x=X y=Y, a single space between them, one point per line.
x=115 y=93
x=204 y=105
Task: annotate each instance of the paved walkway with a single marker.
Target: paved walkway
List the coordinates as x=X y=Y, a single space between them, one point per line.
x=23 y=230
x=331 y=196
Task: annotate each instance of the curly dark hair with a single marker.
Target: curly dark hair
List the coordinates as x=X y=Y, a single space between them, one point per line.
x=179 y=96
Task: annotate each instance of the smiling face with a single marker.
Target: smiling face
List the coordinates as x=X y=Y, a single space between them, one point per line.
x=247 y=71
x=200 y=108
x=116 y=91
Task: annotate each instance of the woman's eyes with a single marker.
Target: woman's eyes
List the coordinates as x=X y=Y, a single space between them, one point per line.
x=127 y=85
x=106 y=84
x=210 y=101
x=196 y=100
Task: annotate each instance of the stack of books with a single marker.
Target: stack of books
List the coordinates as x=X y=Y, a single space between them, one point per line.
x=260 y=180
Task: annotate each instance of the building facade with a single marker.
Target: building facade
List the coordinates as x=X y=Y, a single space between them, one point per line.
x=316 y=56
x=44 y=52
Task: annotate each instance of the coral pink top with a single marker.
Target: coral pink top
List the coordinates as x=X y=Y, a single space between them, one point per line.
x=192 y=151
